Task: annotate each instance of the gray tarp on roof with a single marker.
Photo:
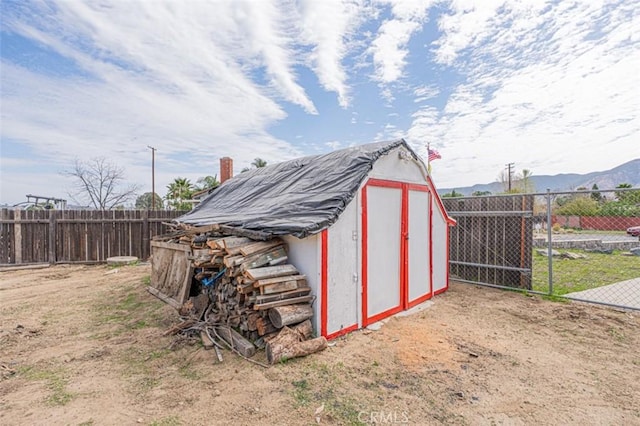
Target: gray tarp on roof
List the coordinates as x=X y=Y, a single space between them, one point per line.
x=297 y=197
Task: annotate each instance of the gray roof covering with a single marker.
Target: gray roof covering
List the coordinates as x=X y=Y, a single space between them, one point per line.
x=297 y=197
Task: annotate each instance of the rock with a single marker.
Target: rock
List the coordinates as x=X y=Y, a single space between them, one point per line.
x=122 y=260
x=600 y=250
x=635 y=251
x=570 y=255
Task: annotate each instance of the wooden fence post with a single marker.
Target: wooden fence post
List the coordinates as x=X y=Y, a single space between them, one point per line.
x=17 y=236
x=145 y=235
x=52 y=237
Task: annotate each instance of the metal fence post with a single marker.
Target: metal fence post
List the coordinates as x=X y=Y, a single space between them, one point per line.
x=549 y=245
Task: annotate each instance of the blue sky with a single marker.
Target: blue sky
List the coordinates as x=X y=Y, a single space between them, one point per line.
x=552 y=86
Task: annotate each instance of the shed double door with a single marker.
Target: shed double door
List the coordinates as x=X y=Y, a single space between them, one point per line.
x=396 y=261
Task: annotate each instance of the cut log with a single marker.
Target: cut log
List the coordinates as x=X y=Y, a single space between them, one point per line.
x=271 y=272
x=260 y=247
x=290 y=314
x=294 y=300
x=304 y=329
x=236 y=341
x=287 y=346
x=252 y=320
x=264 y=326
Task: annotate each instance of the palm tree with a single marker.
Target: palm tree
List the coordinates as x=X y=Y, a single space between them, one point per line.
x=258 y=163
x=207 y=182
x=527 y=184
x=179 y=191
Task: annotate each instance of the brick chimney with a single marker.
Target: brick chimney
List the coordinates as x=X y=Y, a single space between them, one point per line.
x=226 y=169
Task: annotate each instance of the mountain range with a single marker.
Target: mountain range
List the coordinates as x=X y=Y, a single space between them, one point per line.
x=628 y=172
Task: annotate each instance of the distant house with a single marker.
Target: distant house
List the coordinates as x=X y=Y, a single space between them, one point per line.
x=364 y=224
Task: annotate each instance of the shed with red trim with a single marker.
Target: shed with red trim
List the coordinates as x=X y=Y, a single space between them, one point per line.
x=364 y=224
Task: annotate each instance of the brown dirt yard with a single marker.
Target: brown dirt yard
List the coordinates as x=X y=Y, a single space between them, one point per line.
x=83 y=345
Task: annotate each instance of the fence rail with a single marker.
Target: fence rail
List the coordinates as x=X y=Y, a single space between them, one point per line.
x=84 y=236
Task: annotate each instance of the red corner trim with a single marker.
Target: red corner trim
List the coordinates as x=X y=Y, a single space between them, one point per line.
x=324 y=284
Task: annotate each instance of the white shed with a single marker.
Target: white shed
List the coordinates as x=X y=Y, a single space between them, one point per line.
x=364 y=224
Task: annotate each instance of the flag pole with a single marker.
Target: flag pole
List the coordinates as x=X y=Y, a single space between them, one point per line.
x=429 y=158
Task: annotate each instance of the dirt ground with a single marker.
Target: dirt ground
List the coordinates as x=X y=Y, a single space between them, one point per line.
x=83 y=345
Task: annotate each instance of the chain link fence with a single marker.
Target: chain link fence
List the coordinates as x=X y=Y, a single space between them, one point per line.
x=582 y=245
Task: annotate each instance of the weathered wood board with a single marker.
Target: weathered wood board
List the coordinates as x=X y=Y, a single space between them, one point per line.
x=171 y=272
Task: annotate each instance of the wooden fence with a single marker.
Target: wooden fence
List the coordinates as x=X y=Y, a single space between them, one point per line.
x=83 y=236
x=493 y=239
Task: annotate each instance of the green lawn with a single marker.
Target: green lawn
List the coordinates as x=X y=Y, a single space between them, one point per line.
x=597 y=270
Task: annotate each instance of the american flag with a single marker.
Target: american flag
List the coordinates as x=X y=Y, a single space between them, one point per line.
x=433 y=154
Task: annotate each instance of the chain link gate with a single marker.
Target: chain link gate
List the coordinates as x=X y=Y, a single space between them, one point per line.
x=492 y=241
x=589 y=253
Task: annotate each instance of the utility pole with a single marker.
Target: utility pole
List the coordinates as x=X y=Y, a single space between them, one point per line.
x=153 y=177
x=509 y=167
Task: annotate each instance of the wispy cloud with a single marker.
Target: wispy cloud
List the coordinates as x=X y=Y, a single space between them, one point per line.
x=389 y=49
x=535 y=75
x=329 y=38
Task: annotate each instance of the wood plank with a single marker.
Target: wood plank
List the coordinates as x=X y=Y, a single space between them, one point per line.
x=236 y=341
x=207 y=343
x=166 y=299
x=281 y=279
x=171 y=246
x=254 y=235
x=277 y=254
x=281 y=287
x=260 y=247
x=281 y=296
x=192 y=230
x=231 y=242
x=271 y=272
x=230 y=261
x=294 y=300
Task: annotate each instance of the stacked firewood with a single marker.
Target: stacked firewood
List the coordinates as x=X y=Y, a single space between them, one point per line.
x=255 y=298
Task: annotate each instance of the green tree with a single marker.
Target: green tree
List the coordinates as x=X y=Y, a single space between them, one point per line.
x=452 y=194
x=579 y=206
x=480 y=193
x=596 y=196
x=627 y=197
x=178 y=193
x=145 y=201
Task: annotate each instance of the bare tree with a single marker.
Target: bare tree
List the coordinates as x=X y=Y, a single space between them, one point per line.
x=100 y=183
